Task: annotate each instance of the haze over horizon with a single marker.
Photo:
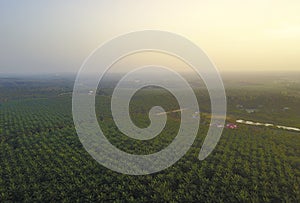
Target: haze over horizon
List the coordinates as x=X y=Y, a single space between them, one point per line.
x=55 y=36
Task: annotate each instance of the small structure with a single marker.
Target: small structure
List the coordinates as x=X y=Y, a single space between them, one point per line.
x=216 y=125
x=239 y=106
x=196 y=114
x=251 y=110
x=231 y=126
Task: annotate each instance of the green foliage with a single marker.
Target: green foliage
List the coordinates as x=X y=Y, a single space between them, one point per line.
x=42 y=159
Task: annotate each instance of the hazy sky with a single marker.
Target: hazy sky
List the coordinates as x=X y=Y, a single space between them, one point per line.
x=38 y=36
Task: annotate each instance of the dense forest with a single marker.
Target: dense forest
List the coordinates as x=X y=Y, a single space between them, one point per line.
x=42 y=159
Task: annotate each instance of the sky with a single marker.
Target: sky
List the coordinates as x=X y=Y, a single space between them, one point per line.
x=38 y=36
